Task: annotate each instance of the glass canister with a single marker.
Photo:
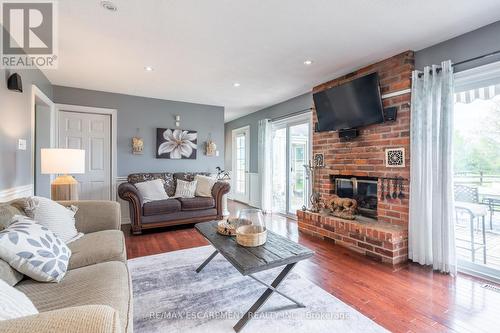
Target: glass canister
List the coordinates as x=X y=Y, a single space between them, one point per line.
x=252 y=216
x=251 y=230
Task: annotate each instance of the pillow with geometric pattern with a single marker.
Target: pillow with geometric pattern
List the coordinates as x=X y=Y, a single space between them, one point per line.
x=34 y=250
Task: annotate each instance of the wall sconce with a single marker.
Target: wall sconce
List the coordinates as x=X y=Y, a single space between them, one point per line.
x=15 y=83
x=177 y=121
x=137 y=144
x=210 y=147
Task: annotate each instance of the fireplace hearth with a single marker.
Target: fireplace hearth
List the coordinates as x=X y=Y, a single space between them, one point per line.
x=362 y=189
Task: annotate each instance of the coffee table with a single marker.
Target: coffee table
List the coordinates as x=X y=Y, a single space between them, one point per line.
x=277 y=251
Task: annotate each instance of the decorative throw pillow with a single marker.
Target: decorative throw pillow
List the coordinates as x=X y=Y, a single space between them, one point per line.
x=34 y=250
x=185 y=189
x=152 y=190
x=7 y=212
x=13 y=303
x=204 y=185
x=9 y=274
x=56 y=217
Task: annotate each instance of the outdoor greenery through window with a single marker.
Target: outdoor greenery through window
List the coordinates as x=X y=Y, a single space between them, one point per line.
x=476 y=149
x=477 y=139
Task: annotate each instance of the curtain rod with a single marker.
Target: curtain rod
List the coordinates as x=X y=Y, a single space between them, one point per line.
x=487 y=55
x=476 y=58
x=296 y=113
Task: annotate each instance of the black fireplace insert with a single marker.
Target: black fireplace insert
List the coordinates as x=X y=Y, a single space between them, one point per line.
x=362 y=189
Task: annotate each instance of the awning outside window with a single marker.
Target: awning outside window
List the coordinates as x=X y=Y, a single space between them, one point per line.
x=470 y=96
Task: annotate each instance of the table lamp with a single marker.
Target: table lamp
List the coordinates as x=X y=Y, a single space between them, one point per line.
x=65 y=162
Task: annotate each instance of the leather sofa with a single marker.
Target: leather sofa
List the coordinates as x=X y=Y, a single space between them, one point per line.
x=172 y=211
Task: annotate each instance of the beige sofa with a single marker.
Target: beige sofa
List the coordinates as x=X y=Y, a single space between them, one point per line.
x=96 y=293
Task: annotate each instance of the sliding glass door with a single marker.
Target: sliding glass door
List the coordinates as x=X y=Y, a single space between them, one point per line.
x=298 y=156
x=476 y=145
x=290 y=151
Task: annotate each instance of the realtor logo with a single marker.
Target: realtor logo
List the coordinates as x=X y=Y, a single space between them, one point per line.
x=28 y=36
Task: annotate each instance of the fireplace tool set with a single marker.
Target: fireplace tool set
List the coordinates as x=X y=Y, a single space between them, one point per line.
x=392 y=188
x=314 y=198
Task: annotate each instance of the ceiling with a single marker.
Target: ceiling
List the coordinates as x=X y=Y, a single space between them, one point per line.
x=199 y=49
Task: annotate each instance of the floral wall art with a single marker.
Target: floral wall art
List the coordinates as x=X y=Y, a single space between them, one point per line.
x=176 y=144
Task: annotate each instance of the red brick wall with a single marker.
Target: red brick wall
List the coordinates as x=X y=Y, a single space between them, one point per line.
x=387 y=243
x=365 y=155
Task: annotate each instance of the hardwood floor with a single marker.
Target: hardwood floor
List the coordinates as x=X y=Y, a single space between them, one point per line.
x=410 y=298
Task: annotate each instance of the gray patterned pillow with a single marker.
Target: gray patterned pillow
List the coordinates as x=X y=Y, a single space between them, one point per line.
x=34 y=250
x=7 y=212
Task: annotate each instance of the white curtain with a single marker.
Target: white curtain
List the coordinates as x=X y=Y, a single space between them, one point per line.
x=432 y=228
x=265 y=165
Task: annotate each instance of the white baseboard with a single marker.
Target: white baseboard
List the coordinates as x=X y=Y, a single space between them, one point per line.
x=16 y=192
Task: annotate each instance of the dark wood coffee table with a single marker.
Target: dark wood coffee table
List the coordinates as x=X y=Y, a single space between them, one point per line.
x=277 y=251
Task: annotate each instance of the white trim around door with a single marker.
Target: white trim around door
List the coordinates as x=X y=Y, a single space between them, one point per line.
x=37 y=97
x=96 y=110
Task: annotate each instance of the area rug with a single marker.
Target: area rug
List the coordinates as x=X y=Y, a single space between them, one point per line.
x=169 y=296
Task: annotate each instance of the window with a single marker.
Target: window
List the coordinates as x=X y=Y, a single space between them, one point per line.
x=240 y=163
x=240 y=168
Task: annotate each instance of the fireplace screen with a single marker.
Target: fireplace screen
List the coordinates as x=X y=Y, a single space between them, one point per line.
x=362 y=189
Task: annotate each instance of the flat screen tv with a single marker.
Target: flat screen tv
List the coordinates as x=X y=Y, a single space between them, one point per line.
x=351 y=105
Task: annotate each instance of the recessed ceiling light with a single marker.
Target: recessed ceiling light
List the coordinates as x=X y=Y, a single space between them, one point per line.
x=148 y=69
x=236 y=84
x=109 y=6
x=308 y=62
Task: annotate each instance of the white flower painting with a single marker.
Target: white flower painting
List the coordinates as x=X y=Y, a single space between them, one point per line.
x=176 y=144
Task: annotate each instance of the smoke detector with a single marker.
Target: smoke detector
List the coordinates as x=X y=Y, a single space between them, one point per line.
x=109 y=6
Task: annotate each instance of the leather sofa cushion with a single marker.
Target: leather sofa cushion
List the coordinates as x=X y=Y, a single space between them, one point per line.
x=196 y=203
x=161 y=207
x=168 y=177
x=181 y=217
x=189 y=176
x=97 y=247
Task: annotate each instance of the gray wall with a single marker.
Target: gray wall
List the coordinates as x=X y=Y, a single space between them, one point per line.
x=472 y=44
x=15 y=115
x=282 y=109
x=147 y=114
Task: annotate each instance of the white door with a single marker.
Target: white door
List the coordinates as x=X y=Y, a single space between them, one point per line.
x=91 y=132
x=241 y=157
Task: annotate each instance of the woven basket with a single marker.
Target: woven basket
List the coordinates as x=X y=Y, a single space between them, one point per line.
x=251 y=235
x=227 y=228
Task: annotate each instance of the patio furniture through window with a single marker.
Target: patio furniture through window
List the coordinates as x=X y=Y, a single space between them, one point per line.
x=467 y=202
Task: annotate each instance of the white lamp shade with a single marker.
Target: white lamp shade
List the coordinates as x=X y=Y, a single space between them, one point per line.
x=62 y=161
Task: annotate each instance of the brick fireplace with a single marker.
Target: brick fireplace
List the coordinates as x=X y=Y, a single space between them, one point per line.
x=385 y=238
